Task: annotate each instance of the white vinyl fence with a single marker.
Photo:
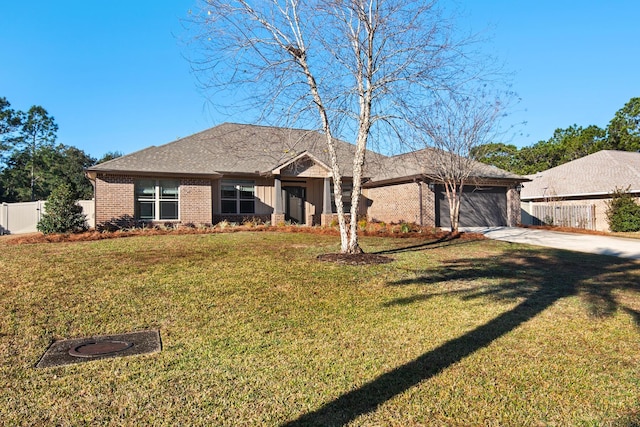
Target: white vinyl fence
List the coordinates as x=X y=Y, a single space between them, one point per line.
x=17 y=218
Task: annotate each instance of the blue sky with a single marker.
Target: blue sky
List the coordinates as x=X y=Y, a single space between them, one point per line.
x=114 y=76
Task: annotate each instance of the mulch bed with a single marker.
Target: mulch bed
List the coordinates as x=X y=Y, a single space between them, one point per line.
x=423 y=233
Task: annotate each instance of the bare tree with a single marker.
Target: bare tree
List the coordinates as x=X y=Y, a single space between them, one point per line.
x=455 y=127
x=346 y=67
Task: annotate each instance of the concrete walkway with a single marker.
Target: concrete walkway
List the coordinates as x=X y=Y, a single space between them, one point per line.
x=602 y=245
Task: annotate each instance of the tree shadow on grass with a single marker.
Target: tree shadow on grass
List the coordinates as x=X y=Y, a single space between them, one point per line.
x=448 y=240
x=536 y=280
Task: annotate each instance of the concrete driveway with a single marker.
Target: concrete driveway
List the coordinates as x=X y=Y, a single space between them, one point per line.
x=602 y=245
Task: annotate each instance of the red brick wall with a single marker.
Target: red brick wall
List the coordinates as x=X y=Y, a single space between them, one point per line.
x=402 y=203
x=195 y=201
x=114 y=198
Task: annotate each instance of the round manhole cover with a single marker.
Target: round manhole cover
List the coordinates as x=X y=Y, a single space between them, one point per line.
x=99 y=348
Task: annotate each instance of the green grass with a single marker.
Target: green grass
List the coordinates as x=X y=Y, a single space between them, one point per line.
x=255 y=331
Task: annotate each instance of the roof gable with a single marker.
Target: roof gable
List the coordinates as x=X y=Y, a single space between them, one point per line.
x=304 y=165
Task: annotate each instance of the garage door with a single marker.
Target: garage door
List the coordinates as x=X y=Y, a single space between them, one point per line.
x=480 y=207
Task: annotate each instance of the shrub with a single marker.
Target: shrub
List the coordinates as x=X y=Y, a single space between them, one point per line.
x=623 y=212
x=62 y=214
x=223 y=224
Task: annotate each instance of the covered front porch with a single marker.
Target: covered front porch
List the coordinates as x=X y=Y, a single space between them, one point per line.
x=303 y=192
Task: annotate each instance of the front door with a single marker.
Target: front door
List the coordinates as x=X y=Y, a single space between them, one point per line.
x=294 y=198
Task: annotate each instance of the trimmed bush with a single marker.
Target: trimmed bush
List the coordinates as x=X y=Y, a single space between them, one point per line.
x=623 y=212
x=62 y=214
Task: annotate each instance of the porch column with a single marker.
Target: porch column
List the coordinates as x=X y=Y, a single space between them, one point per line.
x=327 y=215
x=277 y=217
x=277 y=188
x=326 y=197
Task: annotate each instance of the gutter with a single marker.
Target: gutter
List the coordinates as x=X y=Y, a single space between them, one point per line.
x=91 y=174
x=576 y=195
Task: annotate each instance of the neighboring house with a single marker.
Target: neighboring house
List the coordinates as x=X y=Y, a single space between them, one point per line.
x=236 y=172
x=576 y=193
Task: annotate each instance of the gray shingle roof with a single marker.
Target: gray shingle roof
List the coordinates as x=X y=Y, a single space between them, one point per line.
x=233 y=148
x=419 y=163
x=597 y=173
x=249 y=149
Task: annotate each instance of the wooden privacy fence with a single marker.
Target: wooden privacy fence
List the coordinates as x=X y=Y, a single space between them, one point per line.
x=577 y=216
x=17 y=218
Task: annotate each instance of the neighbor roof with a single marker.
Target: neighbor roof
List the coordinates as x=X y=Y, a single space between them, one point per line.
x=233 y=148
x=596 y=174
x=419 y=163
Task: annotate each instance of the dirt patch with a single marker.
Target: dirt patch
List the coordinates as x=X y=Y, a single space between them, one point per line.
x=355 y=259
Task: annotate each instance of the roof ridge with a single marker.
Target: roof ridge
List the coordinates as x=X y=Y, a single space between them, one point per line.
x=123 y=156
x=257 y=125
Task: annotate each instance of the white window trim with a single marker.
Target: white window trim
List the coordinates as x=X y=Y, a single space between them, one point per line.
x=157 y=199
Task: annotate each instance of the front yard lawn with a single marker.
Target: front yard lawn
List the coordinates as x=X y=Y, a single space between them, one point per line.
x=256 y=331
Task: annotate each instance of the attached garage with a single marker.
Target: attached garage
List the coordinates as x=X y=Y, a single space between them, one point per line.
x=480 y=207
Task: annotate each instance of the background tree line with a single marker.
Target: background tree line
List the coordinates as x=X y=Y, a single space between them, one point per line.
x=622 y=133
x=32 y=165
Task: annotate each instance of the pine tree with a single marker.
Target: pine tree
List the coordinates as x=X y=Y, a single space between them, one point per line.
x=62 y=214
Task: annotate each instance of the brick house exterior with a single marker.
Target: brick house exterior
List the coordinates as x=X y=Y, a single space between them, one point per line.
x=236 y=172
x=114 y=199
x=408 y=202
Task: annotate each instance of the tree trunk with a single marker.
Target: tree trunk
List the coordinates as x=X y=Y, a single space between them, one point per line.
x=335 y=168
x=454 y=197
x=358 y=164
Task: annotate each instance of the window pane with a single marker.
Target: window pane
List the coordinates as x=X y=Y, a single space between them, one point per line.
x=247 y=206
x=246 y=191
x=168 y=210
x=228 y=191
x=169 y=189
x=346 y=190
x=228 y=207
x=146 y=210
x=145 y=189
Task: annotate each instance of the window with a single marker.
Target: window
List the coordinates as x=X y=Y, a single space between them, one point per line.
x=237 y=197
x=347 y=188
x=156 y=200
